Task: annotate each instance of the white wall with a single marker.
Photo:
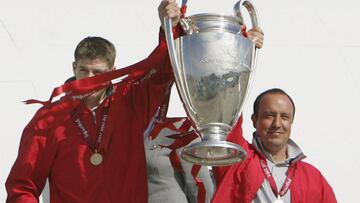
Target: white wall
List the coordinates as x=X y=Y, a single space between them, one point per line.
x=311 y=50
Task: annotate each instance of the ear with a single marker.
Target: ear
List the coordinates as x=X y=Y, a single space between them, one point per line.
x=292 y=121
x=254 y=120
x=74 y=67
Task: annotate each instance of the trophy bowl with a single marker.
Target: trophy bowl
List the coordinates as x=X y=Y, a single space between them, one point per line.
x=213 y=64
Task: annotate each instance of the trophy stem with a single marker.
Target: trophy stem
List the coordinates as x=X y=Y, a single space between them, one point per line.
x=214 y=150
x=214 y=131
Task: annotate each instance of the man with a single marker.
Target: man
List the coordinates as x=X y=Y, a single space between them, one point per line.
x=274 y=170
x=90 y=147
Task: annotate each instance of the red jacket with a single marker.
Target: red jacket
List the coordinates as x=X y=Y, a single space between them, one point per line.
x=240 y=182
x=52 y=146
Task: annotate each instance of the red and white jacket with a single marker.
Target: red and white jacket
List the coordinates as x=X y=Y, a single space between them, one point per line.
x=240 y=182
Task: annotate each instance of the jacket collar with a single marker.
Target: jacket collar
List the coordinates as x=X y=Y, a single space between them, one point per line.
x=294 y=152
x=82 y=108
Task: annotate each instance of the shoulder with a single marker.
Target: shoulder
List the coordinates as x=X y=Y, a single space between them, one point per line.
x=311 y=185
x=248 y=169
x=307 y=167
x=51 y=115
x=306 y=171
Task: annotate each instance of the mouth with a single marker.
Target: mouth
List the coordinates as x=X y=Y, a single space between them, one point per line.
x=275 y=133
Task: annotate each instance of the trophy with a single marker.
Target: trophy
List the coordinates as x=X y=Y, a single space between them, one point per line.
x=213 y=64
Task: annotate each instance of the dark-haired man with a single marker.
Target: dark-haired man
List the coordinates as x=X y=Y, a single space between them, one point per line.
x=274 y=170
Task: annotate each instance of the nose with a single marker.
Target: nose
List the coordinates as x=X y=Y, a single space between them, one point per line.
x=277 y=121
x=91 y=74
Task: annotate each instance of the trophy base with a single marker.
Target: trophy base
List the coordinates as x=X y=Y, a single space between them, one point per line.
x=213 y=153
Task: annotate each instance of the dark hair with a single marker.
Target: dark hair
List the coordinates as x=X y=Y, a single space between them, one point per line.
x=70 y=79
x=96 y=47
x=270 y=91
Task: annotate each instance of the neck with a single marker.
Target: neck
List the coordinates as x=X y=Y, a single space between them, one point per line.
x=279 y=155
x=95 y=100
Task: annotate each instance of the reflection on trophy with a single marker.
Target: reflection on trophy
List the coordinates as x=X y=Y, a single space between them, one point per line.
x=213 y=65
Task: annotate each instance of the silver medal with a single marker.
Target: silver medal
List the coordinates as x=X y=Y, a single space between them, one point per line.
x=278 y=200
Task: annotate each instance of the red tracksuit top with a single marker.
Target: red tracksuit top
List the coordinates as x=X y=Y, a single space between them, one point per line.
x=52 y=146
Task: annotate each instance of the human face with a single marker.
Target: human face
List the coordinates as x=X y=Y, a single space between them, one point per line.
x=273 y=122
x=84 y=68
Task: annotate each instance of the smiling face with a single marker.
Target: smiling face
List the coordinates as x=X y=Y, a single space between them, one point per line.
x=273 y=121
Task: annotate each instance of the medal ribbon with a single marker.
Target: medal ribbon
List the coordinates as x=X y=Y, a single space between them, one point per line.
x=93 y=144
x=285 y=187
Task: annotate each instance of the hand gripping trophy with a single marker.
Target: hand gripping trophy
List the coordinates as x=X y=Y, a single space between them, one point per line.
x=213 y=65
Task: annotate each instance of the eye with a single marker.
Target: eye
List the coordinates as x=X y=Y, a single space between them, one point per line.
x=286 y=116
x=268 y=115
x=82 y=69
x=97 y=72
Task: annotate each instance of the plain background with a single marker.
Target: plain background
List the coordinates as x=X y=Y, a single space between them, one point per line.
x=311 y=51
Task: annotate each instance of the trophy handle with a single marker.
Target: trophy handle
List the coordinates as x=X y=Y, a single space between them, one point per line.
x=255 y=23
x=170 y=43
x=253 y=17
x=250 y=8
x=174 y=58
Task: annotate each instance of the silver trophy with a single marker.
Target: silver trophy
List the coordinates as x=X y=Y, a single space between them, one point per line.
x=213 y=65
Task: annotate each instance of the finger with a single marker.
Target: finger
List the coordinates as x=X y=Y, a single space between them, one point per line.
x=162 y=5
x=257 y=29
x=255 y=34
x=259 y=43
x=166 y=3
x=258 y=37
x=172 y=11
x=172 y=6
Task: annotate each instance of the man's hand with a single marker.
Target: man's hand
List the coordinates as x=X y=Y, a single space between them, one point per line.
x=169 y=9
x=257 y=36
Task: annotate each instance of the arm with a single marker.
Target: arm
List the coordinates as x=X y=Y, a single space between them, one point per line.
x=235 y=136
x=30 y=170
x=309 y=185
x=153 y=89
x=228 y=189
x=327 y=192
